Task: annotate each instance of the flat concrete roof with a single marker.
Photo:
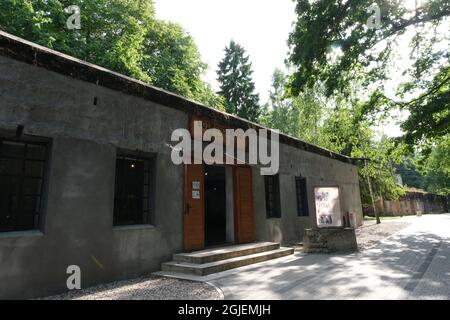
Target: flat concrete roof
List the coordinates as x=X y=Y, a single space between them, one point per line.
x=42 y=57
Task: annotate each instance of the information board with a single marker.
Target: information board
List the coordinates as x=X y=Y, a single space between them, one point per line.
x=328 y=207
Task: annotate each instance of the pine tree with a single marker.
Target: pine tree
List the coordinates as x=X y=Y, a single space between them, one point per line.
x=236 y=84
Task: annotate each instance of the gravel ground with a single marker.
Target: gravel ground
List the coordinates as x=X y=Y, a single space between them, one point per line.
x=145 y=288
x=371 y=233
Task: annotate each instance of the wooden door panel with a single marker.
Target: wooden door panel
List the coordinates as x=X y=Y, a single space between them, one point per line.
x=243 y=205
x=194 y=210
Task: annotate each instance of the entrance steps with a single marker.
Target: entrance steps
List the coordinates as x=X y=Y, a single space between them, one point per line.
x=206 y=262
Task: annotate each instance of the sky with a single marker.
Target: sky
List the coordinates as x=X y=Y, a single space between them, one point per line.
x=262 y=27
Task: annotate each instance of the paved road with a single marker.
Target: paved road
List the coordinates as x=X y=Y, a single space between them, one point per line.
x=414 y=263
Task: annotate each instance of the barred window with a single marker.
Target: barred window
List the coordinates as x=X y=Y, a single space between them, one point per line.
x=302 y=197
x=22 y=171
x=272 y=189
x=133 y=188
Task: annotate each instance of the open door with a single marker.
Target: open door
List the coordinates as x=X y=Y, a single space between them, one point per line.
x=194 y=210
x=243 y=205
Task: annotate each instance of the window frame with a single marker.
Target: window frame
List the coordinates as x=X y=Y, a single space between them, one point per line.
x=40 y=212
x=272 y=211
x=301 y=196
x=150 y=158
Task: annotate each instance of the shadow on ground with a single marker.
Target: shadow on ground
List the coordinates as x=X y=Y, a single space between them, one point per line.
x=396 y=266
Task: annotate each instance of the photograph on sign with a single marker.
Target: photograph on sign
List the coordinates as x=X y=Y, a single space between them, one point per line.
x=328 y=207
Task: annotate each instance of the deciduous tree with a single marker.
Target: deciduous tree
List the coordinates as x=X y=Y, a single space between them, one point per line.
x=332 y=43
x=122 y=35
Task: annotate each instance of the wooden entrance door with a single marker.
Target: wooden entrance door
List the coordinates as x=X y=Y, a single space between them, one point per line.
x=194 y=208
x=243 y=205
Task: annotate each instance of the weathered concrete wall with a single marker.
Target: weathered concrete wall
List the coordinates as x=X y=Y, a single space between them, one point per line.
x=318 y=171
x=329 y=240
x=79 y=210
x=411 y=204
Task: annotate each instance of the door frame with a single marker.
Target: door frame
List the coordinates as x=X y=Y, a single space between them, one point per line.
x=238 y=237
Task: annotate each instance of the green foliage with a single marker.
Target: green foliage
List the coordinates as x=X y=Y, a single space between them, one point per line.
x=299 y=116
x=172 y=58
x=410 y=174
x=436 y=168
x=332 y=44
x=122 y=35
x=236 y=84
x=346 y=132
x=380 y=170
x=430 y=113
x=428 y=170
x=337 y=125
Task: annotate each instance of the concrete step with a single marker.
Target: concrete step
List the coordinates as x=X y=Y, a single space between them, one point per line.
x=223 y=265
x=226 y=252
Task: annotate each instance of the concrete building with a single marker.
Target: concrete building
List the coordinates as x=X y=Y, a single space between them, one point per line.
x=86 y=177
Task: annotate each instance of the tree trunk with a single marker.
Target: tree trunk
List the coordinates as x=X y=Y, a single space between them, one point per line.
x=377 y=217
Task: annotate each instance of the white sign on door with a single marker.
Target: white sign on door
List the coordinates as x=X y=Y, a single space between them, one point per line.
x=195 y=185
x=328 y=207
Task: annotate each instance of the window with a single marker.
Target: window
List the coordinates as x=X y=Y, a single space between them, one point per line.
x=22 y=171
x=132 y=198
x=272 y=186
x=302 y=197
